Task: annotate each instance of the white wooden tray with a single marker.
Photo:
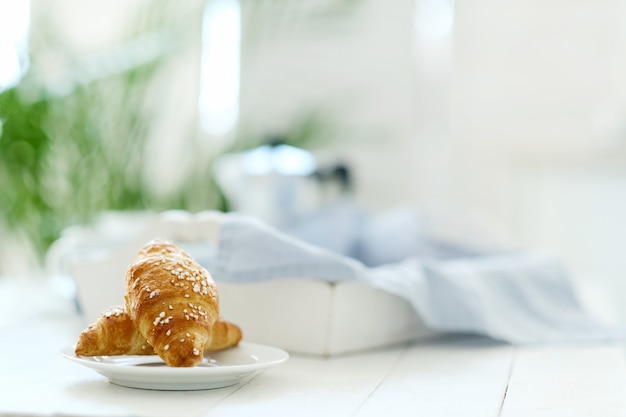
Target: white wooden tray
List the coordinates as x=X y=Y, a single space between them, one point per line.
x=298 y=314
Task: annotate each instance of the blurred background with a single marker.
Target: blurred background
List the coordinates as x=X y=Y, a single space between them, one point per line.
x=504 y=121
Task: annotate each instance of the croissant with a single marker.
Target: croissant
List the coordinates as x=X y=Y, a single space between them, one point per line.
x=172 y=301
x=114 y=333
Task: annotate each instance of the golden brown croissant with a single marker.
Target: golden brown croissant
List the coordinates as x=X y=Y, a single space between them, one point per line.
x=112 y=334
x=172 y=301
x=223 y=335
x=115 y=334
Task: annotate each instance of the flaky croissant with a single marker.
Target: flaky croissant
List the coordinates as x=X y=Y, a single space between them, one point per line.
x=114 y=333
x=172 y=301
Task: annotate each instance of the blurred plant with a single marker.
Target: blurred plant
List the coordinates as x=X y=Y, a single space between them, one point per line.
x=73 y=150
x=24 y=145
x=74 y=147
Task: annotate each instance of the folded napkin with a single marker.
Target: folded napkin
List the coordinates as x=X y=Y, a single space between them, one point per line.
x=517 y=297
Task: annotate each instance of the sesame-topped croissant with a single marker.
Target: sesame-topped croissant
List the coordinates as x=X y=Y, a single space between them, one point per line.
x=114 y=333
x=172 y=301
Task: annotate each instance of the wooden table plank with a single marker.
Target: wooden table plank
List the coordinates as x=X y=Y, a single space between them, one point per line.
x=312 y=386
x=449 y=378
x=567 y=382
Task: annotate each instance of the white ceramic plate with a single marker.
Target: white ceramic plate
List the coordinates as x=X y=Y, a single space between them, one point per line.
x=217 y=370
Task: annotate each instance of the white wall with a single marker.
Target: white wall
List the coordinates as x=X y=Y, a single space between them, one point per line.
x=539 y=126
x=518 y=118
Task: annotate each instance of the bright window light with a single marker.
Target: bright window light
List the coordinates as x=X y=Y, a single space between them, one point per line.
x=434 y=18
x=14 y=24
x=219 y=84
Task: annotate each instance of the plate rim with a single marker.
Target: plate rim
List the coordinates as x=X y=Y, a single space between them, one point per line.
x=106 y=368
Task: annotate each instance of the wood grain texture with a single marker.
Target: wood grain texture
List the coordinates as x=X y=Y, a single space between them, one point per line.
x=567 y=381
x=450 y=376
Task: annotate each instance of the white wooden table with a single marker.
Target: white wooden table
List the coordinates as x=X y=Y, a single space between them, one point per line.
x=446 y=376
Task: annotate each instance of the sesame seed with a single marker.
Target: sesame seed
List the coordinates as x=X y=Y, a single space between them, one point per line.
x=166 y=347
x=187 y=334
x=170 y=307
x=186 y=295
x=182 y=340
x=196 y=352
x=168 y=332
x=162 y=314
